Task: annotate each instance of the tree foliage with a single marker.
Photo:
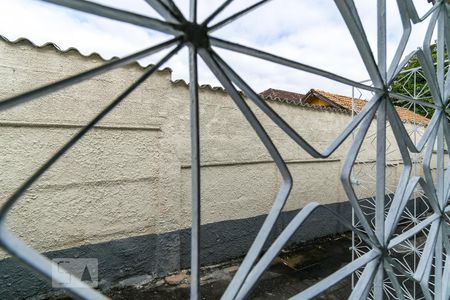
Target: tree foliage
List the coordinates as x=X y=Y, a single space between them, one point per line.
x=411 y=82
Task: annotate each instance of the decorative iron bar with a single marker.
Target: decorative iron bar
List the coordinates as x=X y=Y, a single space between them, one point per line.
x=377 y=265
x=412 y=83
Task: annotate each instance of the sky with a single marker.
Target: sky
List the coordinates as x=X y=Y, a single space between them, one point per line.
x=307 y=31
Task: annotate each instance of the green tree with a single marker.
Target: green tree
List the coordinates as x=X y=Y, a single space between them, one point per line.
x=411 y=82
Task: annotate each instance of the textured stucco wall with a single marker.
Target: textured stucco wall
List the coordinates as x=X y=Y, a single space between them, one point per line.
x=131 y=175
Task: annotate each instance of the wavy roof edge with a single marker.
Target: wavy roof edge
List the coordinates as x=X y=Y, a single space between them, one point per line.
x=95 y=55
x=23 y=40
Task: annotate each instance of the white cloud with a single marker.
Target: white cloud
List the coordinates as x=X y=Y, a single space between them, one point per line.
x=310 y=32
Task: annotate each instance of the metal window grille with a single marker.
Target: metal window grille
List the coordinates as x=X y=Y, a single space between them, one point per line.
x=379 y=273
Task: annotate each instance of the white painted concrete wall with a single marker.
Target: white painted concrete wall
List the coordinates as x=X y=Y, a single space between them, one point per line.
x=131 y=175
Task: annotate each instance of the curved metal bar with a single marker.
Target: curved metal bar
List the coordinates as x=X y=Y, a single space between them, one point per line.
x=347 y=167
x=431 y=128
x=395 y=65
x=397 y=207
x=402 y=187
x=430 y=75
x=43 y=266
x=413 y=12
x=264 y=262
x=395 y=70
x=251 y=269
x=426 y=164
x=286 y=127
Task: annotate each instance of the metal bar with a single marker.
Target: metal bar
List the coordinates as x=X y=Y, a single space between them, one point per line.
x=43 y=266
x=380 y=191
x=381 y=238
x=216 y=12
x=236 y=16
x=412 y=100
x=441 y=178
x=118 y=15
x=349 y=13
x=395 y=119
x=53 y=87
x=163 y=10
x=423 y=269
x=401 y=190
x=395 y=65
x=446 y=40
x=381 y=39
x=438 y=264
x=446 y=135
x=347 y=167
x=397 y=207
x=39 y=172
x=362 y=288
x=288 y=63
x=413 y=231
x=394 y=280
x=446 y=274
x=337 y=276
x=288 y=129
x=426 y=164
x=283 y=192
x=193 y=11
x=195 y=173
x=381 y=146
x=430 y=75
x=174 y=9
x=281 y=240
x=413 y=12
x=265 y=261
x=397 y=68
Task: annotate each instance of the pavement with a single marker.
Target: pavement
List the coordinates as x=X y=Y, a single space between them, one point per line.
x=291 y=272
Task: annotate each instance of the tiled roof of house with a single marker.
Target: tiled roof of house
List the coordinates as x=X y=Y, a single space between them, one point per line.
x=289 y=97
x=345 y=102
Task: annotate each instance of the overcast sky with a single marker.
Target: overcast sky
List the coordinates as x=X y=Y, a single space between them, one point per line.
x=308 y=31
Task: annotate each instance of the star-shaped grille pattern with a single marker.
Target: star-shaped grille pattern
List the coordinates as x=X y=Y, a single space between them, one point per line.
x=380 y=271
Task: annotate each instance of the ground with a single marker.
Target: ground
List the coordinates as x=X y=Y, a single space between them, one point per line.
x=290 y=273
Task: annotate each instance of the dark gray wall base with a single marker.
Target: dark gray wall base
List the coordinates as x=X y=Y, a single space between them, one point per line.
x=168 y=252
